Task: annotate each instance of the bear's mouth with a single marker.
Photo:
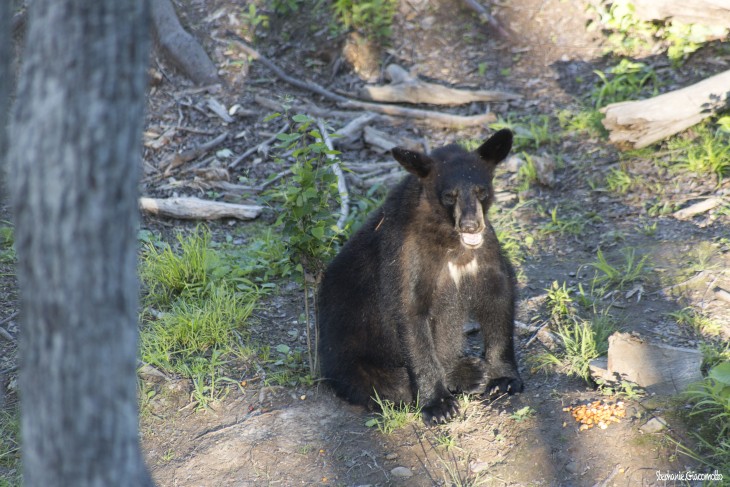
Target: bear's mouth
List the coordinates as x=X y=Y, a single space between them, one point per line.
x=471 y=240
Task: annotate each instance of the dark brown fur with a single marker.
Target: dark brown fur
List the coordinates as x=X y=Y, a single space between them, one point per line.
x=393 y=302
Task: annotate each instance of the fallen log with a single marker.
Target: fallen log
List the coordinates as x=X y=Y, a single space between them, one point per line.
x=439 y=119
x=638 y=124
x=705 y=12
x=406 y=88
x=196 y=209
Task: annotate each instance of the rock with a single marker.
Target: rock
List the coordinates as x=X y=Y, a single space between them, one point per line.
x=599 y=369
x=401 y=472
x=545 y=168
x=654 y=425
x=652 y=403
x=391 y=456
x=572 y=467
x=658 y=368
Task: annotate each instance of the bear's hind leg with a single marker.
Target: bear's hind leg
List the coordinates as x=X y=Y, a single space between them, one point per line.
x=359 y=384
x=469 y=376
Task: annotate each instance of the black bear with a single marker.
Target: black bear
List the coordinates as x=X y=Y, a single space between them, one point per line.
x=393 y=303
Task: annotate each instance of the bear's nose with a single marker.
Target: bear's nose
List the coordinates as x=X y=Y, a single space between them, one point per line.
x=468 y=226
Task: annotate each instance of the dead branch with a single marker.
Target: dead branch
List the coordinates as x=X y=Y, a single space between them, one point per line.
x=638 y=124
x=341 y=183
x=180 y=158
x=262 y=147
x=351 y=132
x=381 y=142
x=217 y=107
x=407 y=88
x=180 y=47
x=435 y=118
x=487 y=18
x=698 y=208
x=7 y=319
x=188 y=208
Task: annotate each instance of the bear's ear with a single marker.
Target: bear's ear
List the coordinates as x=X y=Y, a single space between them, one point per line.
x=413 y=162
x=496 y=148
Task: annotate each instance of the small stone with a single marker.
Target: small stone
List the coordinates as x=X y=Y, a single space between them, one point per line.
x=402 y=472
x=572 y=467
x=651 y=403
x=654 y=425
x=478 y=466
x=391 y=456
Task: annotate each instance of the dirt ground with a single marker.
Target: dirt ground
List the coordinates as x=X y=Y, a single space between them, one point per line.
x=302 y=436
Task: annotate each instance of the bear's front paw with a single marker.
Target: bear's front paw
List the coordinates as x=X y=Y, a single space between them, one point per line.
x=440 y=410
x=509 y=385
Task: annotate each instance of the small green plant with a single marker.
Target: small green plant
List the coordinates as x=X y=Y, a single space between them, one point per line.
x=251 y=20
x=702 y=151
x=629 y=35
x=619 y=276
x=373 y=18
x=580 y=342
x=559 y=302
x=393 y=416
x=624 y=388
x=623 y=82
x=526 y=174
x=307 y=214
x=446 y=441
x=522 y=414
x=697 y=321
x=649 y=229
x=573 y=225
x=714 y=352
x=7 y=242
x=286 y=7
x=10 y=447
x=529 y=133
x=711 y=402
x=587 y=121
x=618 y=180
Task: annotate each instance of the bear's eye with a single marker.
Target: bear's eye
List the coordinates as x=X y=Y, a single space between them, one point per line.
x=449 y=198
x=481 y=192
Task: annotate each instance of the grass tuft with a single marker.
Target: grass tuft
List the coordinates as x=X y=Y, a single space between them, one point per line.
x=393 y=416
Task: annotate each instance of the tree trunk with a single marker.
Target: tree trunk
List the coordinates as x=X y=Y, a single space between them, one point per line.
x=74 y=159
x=5 y=76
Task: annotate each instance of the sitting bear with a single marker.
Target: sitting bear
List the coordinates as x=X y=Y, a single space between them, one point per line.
x=393 y=302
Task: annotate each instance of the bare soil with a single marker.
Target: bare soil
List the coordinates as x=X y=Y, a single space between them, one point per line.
x=263 y=435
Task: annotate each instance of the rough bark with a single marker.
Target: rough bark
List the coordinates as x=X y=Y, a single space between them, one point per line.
x=74 y=163
x=5 y=75
x=180 y=47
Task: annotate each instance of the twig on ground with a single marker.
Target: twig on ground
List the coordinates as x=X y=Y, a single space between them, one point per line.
x=341 y=183
x=485 y=16
x=178 y=159
x=263 y=146
x=6 y=335
x=12 y=315
x=197 y=209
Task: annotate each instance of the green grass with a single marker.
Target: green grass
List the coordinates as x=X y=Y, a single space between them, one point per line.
x=392 y=417
x=582 y=122
x=619 y=275
x=697 y=321
x=564 y=225
x=710 y=401
x=625 y=81
x=202 y=303
x=7 y=242
x=522 y=414
x=10 y=448
x=619 y=180
x=580 y=341
x=529 y=133
x=702 y=150
x=559 y=303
